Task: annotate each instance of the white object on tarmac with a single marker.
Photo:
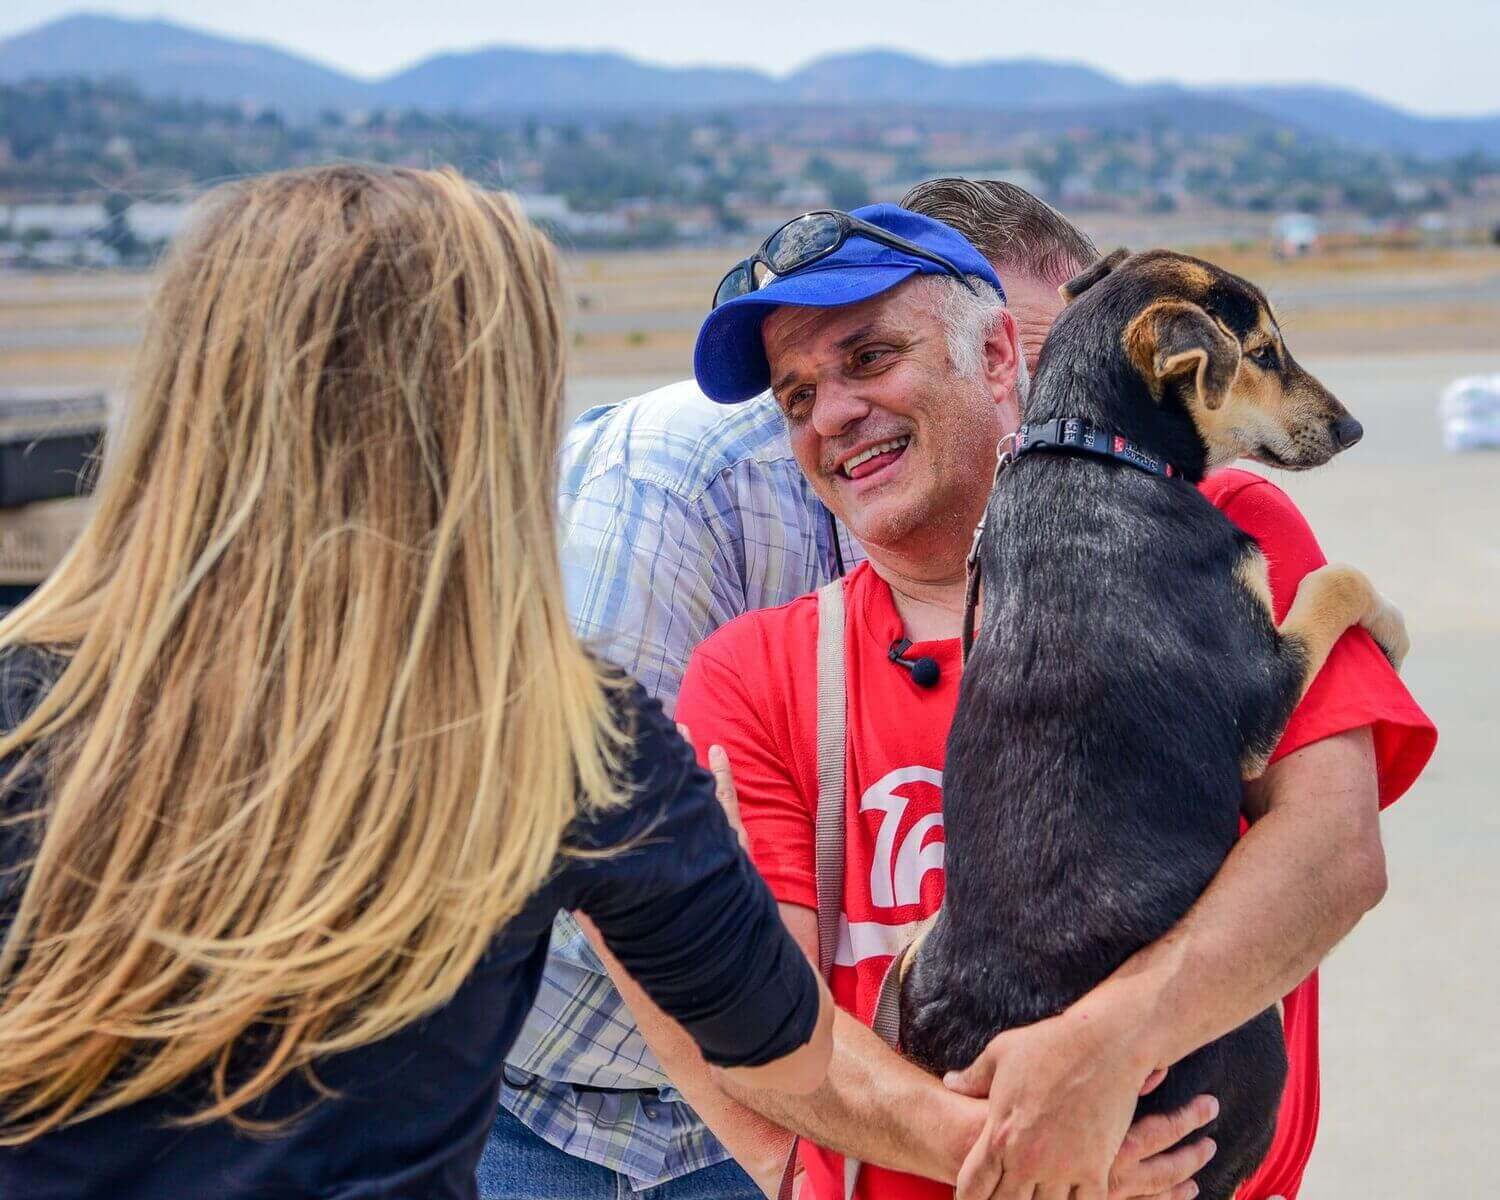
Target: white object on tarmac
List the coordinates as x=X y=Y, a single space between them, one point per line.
x=1470 y=413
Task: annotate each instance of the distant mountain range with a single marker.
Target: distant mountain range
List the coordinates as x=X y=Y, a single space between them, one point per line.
x=165 y=59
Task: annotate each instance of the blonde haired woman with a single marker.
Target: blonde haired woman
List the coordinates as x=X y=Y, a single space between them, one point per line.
x=301 y=754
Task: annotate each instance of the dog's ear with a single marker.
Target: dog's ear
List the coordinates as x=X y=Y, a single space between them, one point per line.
x=1079 y=284
x=1174 y=338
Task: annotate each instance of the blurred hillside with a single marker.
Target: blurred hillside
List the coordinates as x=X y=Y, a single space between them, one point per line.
x=107 y=125
x=169 y=60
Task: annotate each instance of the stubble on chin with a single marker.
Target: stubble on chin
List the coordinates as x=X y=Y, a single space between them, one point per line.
x=894 y=521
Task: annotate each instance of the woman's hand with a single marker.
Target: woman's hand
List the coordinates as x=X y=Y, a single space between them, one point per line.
x=718 y=763
x=1061 y=1096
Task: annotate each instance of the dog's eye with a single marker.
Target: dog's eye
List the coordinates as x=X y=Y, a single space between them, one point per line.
x=1265 y=356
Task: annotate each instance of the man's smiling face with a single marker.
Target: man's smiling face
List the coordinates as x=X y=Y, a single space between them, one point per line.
x=896 y=442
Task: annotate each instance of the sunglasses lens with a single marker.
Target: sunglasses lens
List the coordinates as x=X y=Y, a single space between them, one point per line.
x=736 y=283
x=801 y=240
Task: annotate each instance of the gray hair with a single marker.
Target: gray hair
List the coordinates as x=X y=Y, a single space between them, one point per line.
x=969 y=315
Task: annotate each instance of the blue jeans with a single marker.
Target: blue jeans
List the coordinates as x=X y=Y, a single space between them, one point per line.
x=518 y=1165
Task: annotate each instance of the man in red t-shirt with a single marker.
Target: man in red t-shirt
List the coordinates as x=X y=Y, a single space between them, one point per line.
x=895 y=422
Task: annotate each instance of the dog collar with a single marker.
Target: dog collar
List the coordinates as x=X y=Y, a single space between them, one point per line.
x=1074 y=434
x=1062 y=435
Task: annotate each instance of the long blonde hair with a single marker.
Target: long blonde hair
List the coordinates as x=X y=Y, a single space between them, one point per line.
x=322 y=720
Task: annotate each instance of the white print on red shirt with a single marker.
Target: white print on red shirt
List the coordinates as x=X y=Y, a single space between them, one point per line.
x=896 y=871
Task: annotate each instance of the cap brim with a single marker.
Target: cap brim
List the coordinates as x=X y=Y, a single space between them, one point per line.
x=729 y=359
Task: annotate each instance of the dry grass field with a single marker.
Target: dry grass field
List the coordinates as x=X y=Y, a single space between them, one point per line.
x=635 y=314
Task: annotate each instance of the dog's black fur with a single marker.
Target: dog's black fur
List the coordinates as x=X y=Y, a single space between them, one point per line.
x=1123 y=676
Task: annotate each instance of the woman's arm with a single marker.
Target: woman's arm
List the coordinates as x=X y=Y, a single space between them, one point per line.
x=671 y=893
x=801 y=1071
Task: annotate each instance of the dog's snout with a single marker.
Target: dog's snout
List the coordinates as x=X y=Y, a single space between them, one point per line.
x=1348 y=431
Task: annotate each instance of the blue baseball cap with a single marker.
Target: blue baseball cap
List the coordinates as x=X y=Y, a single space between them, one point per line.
x=730 y=358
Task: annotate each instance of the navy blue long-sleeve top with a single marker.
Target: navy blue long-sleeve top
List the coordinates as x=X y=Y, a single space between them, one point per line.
x=679 y=905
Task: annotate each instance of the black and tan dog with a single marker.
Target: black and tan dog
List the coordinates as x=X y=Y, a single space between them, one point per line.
x=1128 y=674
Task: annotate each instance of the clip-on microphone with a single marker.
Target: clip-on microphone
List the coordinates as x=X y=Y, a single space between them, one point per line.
x=925 y=671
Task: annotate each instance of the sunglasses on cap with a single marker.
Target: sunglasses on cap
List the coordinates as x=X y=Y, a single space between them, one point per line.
x=804 y=240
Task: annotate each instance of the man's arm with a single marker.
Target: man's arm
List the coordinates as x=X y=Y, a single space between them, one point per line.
x=1315 y=847
x=874 y=1105
x=757 y=1144
x=1310 y=866
x=878 y=1108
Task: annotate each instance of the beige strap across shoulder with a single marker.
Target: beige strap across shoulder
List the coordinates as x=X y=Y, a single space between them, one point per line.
x=833 y=709
x=833 y=705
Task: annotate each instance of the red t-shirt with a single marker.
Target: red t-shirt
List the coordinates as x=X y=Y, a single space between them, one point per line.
x=752 y=688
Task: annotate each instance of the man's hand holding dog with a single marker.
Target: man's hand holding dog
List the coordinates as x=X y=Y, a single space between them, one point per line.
x=1062 y=1094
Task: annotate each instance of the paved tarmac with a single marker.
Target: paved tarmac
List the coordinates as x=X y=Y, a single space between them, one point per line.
x=1411 y=1041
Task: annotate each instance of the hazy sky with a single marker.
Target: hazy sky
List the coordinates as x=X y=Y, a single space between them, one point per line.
x=1438 y=56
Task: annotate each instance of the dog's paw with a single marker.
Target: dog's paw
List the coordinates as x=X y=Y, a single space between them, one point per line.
x=1388 y=628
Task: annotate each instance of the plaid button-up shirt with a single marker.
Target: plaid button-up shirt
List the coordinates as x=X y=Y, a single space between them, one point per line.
x=678 y=514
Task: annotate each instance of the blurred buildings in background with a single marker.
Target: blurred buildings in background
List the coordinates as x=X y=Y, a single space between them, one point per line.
x=98 y=174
